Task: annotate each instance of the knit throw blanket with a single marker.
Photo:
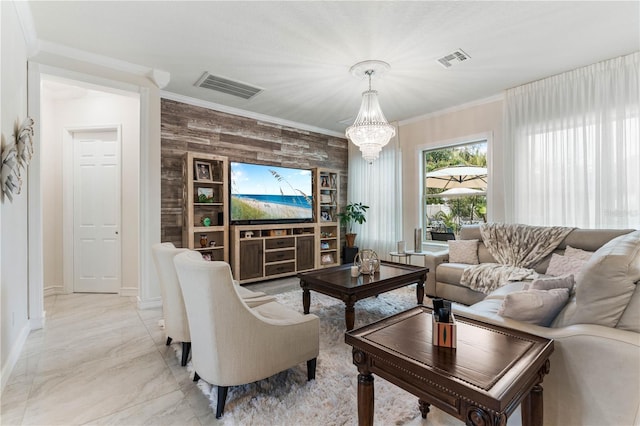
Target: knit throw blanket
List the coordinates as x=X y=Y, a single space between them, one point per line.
x=516 y=248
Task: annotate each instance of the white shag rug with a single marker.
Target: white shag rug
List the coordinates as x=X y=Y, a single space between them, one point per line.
x=288 y=399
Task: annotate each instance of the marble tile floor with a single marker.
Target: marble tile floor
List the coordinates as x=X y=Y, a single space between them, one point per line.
x=101 y=361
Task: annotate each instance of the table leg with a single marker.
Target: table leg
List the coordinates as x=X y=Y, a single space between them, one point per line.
x=532 y=407
x=365 y=399
x=306 y=300
x=350 y=314
x=420 y=292
x=424 y=408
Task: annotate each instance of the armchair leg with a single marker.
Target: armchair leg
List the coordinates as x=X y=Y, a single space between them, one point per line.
x=186 y=347
x=195 y=376
x=169 y=339
x=311 y=369
x=222 y=398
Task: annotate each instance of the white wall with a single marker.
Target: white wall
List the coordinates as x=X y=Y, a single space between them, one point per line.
x=13 y=216
x=454 y=126
x=15 y=271
x=92 y=109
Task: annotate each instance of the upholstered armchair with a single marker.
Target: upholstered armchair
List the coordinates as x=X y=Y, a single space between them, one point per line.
x=176 y=324
x=232 y=343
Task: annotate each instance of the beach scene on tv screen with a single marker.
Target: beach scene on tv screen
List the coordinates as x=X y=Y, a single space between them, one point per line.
x=260 y=192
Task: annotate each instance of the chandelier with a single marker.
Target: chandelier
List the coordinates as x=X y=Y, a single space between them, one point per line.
x=371 y=131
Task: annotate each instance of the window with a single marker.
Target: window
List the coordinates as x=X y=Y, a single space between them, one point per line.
x=454 y=187
x=572 y=151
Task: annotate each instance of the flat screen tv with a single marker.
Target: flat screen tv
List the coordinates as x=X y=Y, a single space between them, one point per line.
x=270 y=194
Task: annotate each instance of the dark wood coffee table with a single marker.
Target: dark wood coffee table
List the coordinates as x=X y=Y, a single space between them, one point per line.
x=337 y=282
x=481 y=382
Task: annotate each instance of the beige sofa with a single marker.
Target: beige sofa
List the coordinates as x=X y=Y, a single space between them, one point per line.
x=595 y=368
x=443 y=279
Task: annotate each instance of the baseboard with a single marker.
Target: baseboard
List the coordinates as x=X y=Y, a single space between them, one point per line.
x=129 y=291
x=156 y=302
x=12 y=359
x=53 y=290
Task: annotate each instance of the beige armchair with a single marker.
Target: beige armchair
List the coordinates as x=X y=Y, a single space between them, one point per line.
x=176 y=324
x=232 y=343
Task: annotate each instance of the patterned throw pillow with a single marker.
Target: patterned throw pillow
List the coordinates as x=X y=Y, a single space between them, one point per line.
x=564 y=265
x=534 y=306
x=577 y=253
x=463 y=251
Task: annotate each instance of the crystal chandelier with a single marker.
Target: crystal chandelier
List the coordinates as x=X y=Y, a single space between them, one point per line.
x=371 y=131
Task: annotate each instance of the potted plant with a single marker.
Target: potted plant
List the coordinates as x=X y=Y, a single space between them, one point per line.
x=353 y=213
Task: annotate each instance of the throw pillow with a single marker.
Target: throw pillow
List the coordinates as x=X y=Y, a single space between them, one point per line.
x=564 y=265
x=576 y=253
x=463 y=251
x=566 y=281
x=534 y=306
x=607 y=282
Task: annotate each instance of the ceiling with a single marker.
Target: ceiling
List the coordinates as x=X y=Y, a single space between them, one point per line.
x=300 y=52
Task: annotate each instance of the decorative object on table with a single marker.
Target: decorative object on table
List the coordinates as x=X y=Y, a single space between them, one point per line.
x=203 y=171
x=371 y=131
x=444 y=324
x=355 y=271
x=206 y=221
x=205 y=195
x=367 y=262
x=401 y=247
x=15 y=157
x=417 y=233
x=324 y=245
x=203 y=241
x=353 y=213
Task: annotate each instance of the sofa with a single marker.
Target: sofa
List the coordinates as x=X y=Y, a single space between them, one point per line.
x=595 y=368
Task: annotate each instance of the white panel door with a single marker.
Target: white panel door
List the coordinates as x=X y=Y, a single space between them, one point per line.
x=96 y=200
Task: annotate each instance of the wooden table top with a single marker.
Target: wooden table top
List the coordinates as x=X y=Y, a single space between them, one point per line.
x=340 y=276
x=491 y=365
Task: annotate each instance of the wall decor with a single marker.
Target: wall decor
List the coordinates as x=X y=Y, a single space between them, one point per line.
x=16 y=156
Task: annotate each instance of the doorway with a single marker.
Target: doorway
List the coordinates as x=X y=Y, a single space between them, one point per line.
x=96 y=210
x=90 y=138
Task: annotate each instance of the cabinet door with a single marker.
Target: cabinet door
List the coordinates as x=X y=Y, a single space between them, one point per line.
x=305 y=253
x=251 y=259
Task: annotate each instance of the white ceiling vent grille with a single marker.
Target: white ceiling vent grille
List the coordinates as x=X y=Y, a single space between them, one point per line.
x=459 y=56
x=230 y=87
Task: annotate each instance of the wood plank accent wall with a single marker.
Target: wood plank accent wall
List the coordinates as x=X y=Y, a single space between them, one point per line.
x=186 y=127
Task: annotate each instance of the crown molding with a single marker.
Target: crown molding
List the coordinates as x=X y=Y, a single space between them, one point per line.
x=490 y=99
x=248 y=114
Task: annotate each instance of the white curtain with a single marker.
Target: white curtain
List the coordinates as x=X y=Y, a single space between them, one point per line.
x=378 y=186
x=573 y=148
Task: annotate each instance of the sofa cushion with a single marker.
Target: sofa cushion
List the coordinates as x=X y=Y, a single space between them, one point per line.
x=463 y=251
x=630 y=319
x=549 y=283
x=511 y=287
x=450 y=273
x=605 y=285
x=534 y=306
x=565 y=265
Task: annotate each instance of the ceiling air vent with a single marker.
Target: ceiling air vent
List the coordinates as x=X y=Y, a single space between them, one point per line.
x=459 y=55
x=230 y=87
